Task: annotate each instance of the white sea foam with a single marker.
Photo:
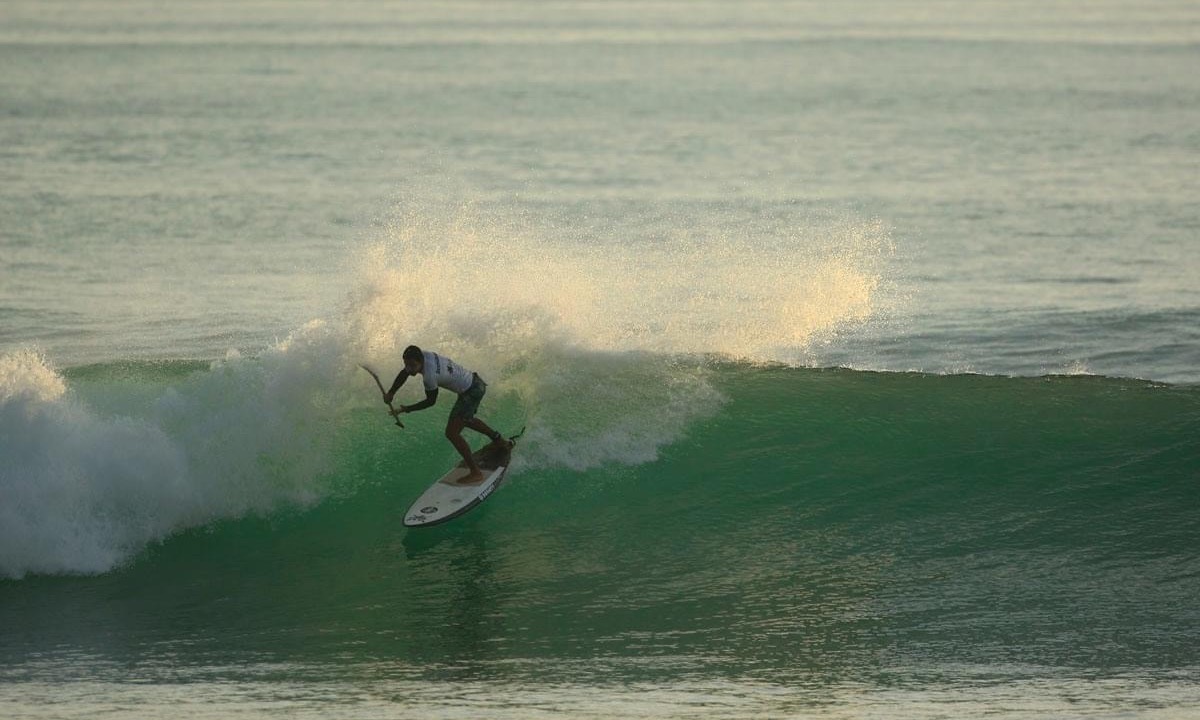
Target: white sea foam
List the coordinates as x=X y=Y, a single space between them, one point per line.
x=82 y=490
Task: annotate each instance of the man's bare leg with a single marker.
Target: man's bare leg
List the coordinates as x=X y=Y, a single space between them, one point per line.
x=480 y=426
x=454 y=429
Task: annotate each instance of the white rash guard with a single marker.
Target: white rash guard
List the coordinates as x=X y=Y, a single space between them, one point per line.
x=442 y=372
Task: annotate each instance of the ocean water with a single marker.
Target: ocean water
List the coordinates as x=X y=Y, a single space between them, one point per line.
x=858 y=346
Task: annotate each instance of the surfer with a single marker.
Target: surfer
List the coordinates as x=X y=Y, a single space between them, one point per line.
x=438 y=371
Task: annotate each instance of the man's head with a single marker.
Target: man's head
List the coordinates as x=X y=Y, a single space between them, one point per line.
x=414 y=359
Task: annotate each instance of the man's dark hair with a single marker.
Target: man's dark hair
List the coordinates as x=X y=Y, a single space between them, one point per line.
x=412 y=352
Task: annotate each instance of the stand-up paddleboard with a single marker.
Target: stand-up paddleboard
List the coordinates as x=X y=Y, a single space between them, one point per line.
x=448 y=498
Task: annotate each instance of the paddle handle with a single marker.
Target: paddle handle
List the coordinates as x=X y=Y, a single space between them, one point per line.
x=384 y=393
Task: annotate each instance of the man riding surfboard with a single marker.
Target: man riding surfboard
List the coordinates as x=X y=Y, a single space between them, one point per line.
x=438 y=371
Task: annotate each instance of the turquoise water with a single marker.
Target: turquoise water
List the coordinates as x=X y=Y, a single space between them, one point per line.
x=857 y=346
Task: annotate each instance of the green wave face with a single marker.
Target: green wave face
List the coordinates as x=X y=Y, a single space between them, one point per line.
x=805 y=525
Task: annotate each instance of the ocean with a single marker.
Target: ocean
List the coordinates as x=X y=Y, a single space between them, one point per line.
x=858 y=348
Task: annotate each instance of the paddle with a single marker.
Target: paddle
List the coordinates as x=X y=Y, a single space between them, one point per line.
x=384 y=393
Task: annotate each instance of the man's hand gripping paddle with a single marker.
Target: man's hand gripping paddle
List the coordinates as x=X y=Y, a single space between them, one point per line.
x=395 y=415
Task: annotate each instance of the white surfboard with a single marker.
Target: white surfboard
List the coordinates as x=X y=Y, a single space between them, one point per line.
x=448 y=498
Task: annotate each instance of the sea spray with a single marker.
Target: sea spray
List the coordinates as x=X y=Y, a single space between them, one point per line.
x=603 y=350
x=619 y=334
x=762 y=294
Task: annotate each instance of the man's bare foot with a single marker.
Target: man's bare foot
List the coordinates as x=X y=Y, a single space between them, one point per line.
x=472 y=478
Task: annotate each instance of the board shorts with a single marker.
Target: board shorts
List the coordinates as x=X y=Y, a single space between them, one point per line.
x=468 y=401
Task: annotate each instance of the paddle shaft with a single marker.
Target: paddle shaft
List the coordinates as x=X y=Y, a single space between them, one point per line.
x=384 y=393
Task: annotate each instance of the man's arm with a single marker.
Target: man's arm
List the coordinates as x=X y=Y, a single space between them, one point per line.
x=430 y=399
x=396 y=384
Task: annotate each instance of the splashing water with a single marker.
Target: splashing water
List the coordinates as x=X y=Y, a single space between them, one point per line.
x=604 y=349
